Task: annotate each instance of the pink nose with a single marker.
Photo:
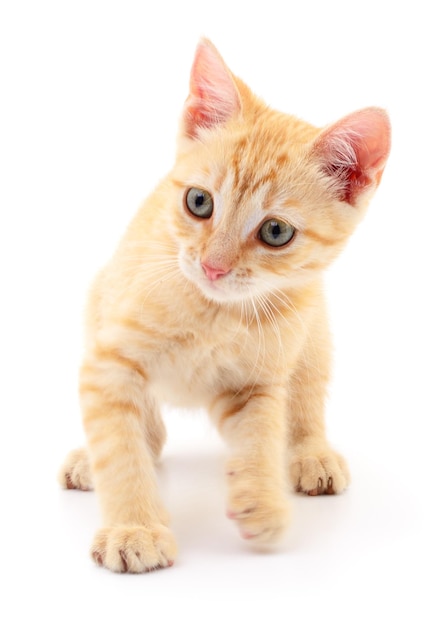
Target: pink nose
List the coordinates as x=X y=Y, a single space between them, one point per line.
x=213 y=273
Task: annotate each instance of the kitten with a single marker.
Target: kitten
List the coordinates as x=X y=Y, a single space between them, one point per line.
x=214 y=299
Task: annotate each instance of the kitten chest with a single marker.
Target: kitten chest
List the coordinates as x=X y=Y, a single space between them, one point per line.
x=190 y=372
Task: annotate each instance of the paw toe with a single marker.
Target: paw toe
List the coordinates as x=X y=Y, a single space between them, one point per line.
x=321 y=473
x=75 y=472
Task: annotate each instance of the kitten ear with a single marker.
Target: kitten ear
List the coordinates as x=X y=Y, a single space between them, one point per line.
x=354 y=151
x=213 y=96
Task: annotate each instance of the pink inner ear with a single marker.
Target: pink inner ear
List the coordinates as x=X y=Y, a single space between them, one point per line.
x=355 y=150
x=213 y=96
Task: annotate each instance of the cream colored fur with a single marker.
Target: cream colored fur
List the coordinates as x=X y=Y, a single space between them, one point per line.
x=201 y=312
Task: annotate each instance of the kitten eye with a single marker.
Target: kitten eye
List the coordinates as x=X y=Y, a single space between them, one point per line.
x=276 y=233
x=199 y=202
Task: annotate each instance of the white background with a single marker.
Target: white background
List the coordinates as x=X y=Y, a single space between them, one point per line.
x=90 y=98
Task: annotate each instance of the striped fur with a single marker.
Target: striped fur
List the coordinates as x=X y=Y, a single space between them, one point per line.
x=251 y=346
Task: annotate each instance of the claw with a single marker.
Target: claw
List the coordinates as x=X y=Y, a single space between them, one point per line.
x=330 y=489
x=123 y=558
x=97 y=557
x=69 y=482
x=317 y=491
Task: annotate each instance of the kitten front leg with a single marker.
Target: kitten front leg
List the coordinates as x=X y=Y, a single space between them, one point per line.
x=119 y=420
x=253 y=423
x=315 y=468
x=75 y=472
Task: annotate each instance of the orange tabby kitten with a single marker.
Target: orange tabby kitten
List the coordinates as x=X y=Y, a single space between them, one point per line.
x=214 y=299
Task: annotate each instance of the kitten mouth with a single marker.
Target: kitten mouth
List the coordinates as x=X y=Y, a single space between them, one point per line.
x=217 y=290
x=224 y=289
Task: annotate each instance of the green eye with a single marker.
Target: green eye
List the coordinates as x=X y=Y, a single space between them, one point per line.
x=199 y=202
x=276 y=233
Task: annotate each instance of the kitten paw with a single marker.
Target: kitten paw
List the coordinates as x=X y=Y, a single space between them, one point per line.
x=75 y=472
x=319 y=470
x=261 y=510
x=134 y=549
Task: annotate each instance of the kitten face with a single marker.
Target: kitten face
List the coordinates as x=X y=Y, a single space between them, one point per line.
x=246 y=212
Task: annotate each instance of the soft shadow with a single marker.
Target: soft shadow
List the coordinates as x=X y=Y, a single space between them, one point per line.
x=193 y=490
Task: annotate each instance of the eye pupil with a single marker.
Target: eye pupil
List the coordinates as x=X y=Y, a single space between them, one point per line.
x=276 y=233
x=199 y=202
x=275 y=230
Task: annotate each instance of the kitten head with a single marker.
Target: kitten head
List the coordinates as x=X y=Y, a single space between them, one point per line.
x=264 y=200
